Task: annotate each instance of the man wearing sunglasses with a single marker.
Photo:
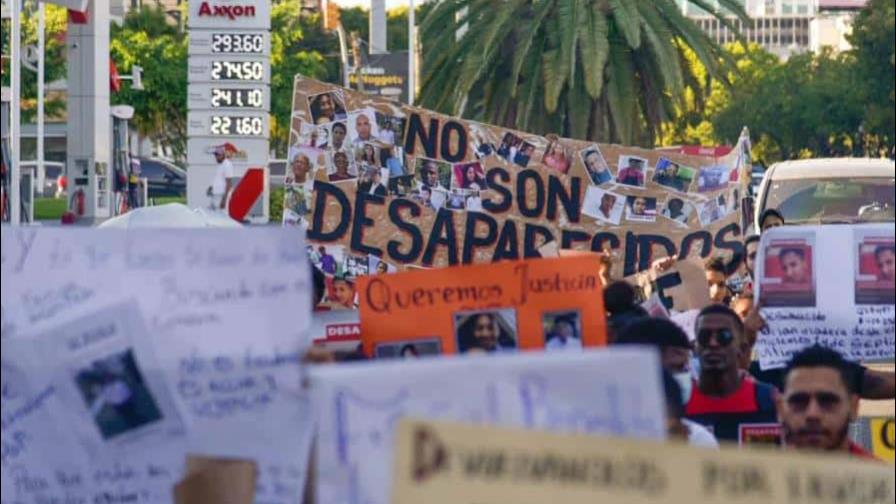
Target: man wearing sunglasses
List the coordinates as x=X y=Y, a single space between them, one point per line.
x=819 y=402
x=725 y=399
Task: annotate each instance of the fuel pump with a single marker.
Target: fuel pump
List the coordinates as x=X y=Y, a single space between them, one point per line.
x=121 y=156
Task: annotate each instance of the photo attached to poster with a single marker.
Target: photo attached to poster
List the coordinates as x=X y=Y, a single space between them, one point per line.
x=433 y=174
x=341 y=272
x=596 y=165
x=327 y=107
x=712 y=178
x=392 y=158
x=672 y=175
x=469 y=176
x=562 y=330
x=875 y=278
x=486 y=331
x=678 y=210
x=362 y=127
x=603 y=205
x=410 y=349
x=640 y=209
x=391 y=129
x=788 y=276
x=631 y=171
x=515 y=150
x=557 y=156
x=116 y=395
x=296 y=201
x=341 y=167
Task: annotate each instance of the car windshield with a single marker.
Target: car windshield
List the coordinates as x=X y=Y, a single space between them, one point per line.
x=805 y=201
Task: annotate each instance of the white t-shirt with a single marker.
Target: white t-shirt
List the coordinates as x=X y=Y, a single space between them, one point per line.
x=699 y=436
x=570 y=344
x=223 y=172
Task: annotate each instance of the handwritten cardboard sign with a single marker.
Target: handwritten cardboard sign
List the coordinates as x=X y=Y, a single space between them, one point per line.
x=831 y=285
x=681 y=288
x=125 y=351
x=359 y=406
x=448 y=463
x=513 y=305
x=380 y=182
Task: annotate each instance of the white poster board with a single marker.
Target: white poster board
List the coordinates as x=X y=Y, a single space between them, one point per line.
x=125 y=351
x=831 y=285
x=615 y=391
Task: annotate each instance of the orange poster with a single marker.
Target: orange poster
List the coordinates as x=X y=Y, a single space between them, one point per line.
x=552 y=304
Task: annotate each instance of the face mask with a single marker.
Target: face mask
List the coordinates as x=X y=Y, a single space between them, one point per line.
x=685 y=382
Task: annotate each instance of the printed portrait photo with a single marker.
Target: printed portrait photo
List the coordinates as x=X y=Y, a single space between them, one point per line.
x=438 y=197
x=678 y=210
x=391 y=129
x=303 y=163
x=337 y=138
x=482 y=147
x=631 y=171
x=514 y=150
x=672 y=175
x=423 y=196
x=603 y=205
x=373 y=181
x=562 y=330
x=875 y=278
x=116 y=395
x=712 y=210
x=596 y=166
x=462 y=199
x=486 y=331
x=712 y=178
x=313 y=136
x=379 y=266
x=341 y=167
x=788 y=277
x=557 y=156
x=356 y=266
x=401 y=186
x=362 y=127
x=368 y=154
x=640 y=209
x=341 y=291
x=296 y=199
x=469 y=176
x=433 y=174
x=327 y=107
x=392 y=158
x=410 y=349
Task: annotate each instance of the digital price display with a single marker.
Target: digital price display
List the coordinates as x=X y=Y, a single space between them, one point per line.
x=237 y=70
x=227 y=125
x=238 y=43
x=237 y=98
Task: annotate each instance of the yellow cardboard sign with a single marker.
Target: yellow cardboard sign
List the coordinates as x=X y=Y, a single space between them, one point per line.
x=447 y=463
x=883 y=438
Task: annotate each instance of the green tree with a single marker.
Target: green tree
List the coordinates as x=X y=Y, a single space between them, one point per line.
x=147 y=39
x=607 y=70
x=873 y=39
x=290 y=56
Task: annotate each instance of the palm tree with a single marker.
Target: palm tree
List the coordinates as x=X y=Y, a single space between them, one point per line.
x=608 y=70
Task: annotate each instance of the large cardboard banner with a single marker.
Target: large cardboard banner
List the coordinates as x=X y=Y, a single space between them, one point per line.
x=448 y=463
x=610 y=391
x=555 y=304
x=831 y=285
x=384 y=187
x=126 y=352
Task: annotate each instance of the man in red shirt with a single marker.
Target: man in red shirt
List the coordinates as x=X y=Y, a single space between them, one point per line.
x=819 y=402
x=726 y=401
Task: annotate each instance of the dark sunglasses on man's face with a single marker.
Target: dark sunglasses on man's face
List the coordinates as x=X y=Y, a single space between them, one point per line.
x=827 y=401
x=723 y=336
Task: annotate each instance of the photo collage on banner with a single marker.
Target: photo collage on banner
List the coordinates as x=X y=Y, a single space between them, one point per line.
x=399 y=188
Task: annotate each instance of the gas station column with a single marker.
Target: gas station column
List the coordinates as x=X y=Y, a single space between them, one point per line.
x=88 y=150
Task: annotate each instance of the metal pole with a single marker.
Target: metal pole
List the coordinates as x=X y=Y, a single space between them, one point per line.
x=41 y=173
x=412 y=45
x=15 y=128
x=343 y=55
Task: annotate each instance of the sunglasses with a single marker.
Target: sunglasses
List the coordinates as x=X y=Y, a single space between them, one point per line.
x=800 y=401
x=723 y=336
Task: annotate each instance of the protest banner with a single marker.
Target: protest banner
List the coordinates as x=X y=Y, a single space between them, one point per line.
x=849 y=308
x=448 y=463
x=125 y=352
x=386 y=187
x=555 y=304
x=682 y=287
x=359 y=406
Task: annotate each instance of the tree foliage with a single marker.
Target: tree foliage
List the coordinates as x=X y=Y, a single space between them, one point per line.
x=610 y=70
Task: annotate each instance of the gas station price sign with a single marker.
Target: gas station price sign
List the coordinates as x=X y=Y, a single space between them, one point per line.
x=228 y=95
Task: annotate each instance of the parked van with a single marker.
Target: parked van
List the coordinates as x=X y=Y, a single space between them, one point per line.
x=830 y=191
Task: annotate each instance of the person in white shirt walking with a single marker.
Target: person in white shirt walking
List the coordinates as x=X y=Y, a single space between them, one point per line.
x=220 y=187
